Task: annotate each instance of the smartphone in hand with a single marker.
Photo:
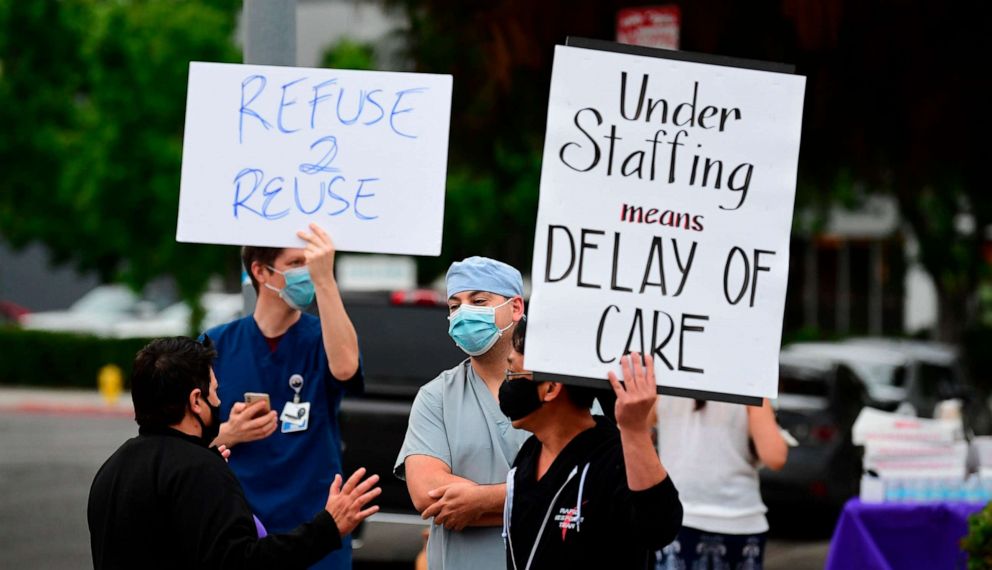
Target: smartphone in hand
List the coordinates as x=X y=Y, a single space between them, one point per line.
x=252 y=397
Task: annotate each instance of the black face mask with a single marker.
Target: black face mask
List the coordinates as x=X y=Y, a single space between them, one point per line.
x=519 y=398
x=209 y=432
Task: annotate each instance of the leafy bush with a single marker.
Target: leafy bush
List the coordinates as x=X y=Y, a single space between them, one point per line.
x=40 y=358
x=978 y=543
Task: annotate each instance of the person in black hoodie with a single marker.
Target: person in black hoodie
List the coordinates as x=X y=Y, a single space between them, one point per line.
x=166 y=500
x=583 y=492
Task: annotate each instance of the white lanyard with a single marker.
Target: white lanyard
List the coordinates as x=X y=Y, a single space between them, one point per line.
x=507 y=514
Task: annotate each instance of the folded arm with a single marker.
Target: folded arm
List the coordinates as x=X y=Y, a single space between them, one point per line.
x=452 y=501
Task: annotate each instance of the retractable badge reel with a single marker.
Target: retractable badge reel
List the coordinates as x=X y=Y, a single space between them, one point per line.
x=296 y=414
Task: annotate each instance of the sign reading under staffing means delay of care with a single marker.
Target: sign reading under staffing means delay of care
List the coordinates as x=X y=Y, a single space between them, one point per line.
x=665 y=212
x=267 y=150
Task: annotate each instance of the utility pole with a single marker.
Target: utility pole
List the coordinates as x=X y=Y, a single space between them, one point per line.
x=270 y=32
x=270 y=39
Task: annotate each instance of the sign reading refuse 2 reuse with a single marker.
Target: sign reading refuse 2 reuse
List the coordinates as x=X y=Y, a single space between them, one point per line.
x=268 y=150
x=664 y=219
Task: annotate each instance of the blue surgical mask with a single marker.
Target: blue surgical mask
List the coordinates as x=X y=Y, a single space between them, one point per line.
x=474 y=329
x=298 y=292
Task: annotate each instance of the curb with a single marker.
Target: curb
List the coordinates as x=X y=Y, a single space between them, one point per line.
x=52 y=409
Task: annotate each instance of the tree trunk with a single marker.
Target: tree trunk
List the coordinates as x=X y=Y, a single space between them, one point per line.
x=952 y=314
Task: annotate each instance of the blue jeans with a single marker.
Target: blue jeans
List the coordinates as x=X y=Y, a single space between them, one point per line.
x=694 y=549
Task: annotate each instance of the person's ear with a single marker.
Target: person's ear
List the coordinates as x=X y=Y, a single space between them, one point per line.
x=194 y=400
x=518 y=308
x=260 y=272
x=554 y=388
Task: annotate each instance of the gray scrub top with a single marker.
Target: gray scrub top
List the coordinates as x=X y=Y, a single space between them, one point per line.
x=456 y=419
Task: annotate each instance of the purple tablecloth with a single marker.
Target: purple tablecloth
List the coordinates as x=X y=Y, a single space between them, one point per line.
x=897 y=536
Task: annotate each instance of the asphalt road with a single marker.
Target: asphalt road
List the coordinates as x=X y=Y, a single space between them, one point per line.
x=47 y=462
x=46 y=465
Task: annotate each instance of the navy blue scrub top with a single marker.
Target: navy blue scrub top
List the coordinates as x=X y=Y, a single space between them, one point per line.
x=286 y=475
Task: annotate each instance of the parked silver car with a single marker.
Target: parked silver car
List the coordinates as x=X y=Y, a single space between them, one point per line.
x=895 y=372
x=174 y=320
x=95 y=312
x=117 y=311
x=818 y=402
x=936 y=372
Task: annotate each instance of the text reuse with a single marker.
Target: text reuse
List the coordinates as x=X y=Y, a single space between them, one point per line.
x=664 y=219
x=269 y=149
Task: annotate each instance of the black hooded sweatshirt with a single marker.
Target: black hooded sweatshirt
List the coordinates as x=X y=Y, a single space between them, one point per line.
x=582 y=509
x=164 y=500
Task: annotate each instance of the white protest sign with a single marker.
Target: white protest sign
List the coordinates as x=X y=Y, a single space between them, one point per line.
x=663 y=225
x=268 y=150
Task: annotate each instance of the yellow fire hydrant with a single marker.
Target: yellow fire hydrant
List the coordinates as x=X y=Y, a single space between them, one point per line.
x=110 y=382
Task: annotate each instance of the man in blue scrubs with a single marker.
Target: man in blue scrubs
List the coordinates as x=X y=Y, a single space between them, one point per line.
x=287 y=457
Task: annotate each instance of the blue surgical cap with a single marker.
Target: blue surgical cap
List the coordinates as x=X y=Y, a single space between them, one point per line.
x=484 y=274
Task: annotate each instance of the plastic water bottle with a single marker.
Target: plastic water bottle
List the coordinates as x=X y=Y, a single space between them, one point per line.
x=955 y=490
x=945 y=490
x=986 y=485
x=983 y=491
x=973 y=490
x=915 y=491
x=894 y=491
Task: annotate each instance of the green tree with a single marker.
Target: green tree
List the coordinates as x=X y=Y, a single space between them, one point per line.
x=42 y=70
x=95 y=91
x=905 y=113
x=349 y=54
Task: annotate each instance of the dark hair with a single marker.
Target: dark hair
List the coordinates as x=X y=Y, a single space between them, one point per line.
x=519 y=334
x=165 y=372
x=580 y=396
x=263 y=255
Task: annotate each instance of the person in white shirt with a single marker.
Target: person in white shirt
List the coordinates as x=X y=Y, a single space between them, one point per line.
x=712 y=451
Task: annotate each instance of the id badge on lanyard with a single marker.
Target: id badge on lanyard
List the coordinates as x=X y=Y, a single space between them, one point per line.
x=295 y=415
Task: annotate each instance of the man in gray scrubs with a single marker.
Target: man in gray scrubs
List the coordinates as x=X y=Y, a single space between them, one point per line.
x=459 y=446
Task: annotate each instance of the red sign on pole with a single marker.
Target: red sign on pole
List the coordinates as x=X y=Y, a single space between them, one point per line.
x=651 y=26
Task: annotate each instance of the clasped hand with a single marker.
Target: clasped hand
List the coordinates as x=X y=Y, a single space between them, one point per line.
x=456 y=505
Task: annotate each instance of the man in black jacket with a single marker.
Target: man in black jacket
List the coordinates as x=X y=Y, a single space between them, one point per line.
x=166 y=500
x=583 y=493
